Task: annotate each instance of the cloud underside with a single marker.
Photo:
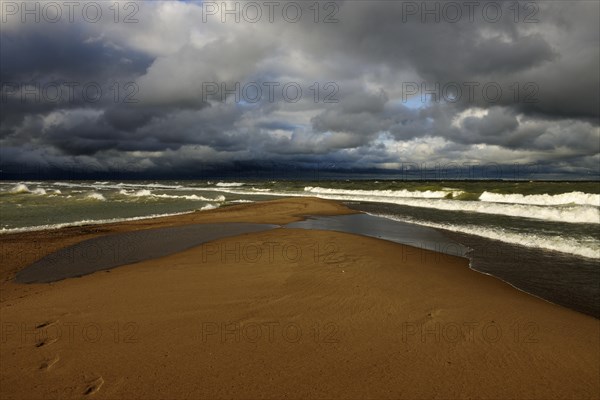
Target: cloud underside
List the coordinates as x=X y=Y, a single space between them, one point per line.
x=390 y=90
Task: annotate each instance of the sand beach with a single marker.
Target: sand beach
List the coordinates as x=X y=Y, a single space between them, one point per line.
x=283 y=313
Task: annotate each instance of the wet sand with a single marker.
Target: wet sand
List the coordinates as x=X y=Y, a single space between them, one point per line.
x=284 y=313
x=561 y=278
x=106 y=252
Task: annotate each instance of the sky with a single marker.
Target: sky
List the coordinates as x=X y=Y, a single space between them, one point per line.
x=183 y=89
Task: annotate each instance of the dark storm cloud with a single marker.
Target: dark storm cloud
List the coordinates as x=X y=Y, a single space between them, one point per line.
x=375 y=31
x=57 y=66
x=562 y=60
x=130 y=118
x=370 y=55
x=64 y=55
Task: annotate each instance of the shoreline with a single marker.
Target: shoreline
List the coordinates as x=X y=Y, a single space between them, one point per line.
x=126 y=225
x=308 y=313
x=54 y=227
x=68 y=235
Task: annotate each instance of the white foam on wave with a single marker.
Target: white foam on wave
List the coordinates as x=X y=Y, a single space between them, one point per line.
x=121 y=185
x=229 y=184
x=436 y=200
x=148 y=193
x=188 y=197
x=150 y=185
x=544 y=199
x=19 y=188
x=139 y=193
x=86 y=222
x=590 y=248
x=95 y=196
x=142 y=186
x=22 y=188
x=571 y=214
x=72 y=184
x=426 y=194
x=40 y=191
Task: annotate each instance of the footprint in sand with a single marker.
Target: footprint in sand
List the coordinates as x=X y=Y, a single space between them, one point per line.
x=94 y=386
x=46 y=342
x=46 y=324
x=47 y=364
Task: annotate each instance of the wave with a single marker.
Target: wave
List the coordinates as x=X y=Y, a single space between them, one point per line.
x=150 y=185
x=21 y=188
x=189 y=197
x=543 y=199
x=121 y=185
x=427 y=194
x=87 y=222
x=148 y=193
x=577 y=214
x=74 y=184
x=569 y=214
x=139 y=193
x=95 y=196
x=587 y=249
x=229 y=184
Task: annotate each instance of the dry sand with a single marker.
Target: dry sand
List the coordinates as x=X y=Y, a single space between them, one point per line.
x=284 y=314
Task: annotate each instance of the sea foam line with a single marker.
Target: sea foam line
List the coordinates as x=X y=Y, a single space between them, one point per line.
x=148 y=193
x=570 y=214
x=580 y=198
x=96 y=221
x=545 y=242
x=576 y=214
x=425 y=194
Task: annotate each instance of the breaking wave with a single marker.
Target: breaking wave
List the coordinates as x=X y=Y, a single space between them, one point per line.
x=590 y=248
x=427 y=194
x=565 y=213
x=85 y=222
x=544 y=199
x=229 y=184
x=21 y=188
x=148 y=193
x=95 y=196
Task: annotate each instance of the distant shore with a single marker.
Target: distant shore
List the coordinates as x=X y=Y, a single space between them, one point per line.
x=283 y=313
